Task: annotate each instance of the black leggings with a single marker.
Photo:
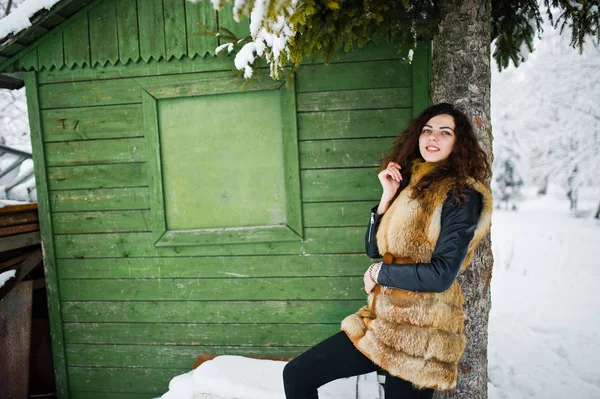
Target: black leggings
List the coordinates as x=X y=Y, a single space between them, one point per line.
x=334 y=358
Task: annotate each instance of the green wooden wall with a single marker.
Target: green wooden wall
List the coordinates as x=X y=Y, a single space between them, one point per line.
x=127 y=316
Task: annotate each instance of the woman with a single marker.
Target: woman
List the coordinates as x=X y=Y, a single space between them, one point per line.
x=435 y=210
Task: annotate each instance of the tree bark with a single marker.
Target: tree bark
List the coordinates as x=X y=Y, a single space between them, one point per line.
x=461 y=75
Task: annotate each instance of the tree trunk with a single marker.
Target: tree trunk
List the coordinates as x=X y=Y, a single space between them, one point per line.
x=461 y=75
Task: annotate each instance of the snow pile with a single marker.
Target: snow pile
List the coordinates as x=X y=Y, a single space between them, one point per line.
x=228 y=377
x=4 y=277
x=18 y=19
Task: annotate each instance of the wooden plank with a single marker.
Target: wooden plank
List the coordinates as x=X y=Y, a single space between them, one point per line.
x=353 y=124
x=97 y=176
x=11 y=262
x=18 y=208
x=15 y=313
x=354 y=99
x=92 y=123
x=421 y=75
x=175 y=34
x=95 y=151
x=202 y=13
x=109 y=395
x=353 y=76
x=199 y=334
x=29 y=61
x=185 y=65
x=215 y=266
x=68 y=95
x=39 y=164
x=104 y=42
x=151 y=29
x=155 y=356
x=155 y=381
x=23 y=228
x=234 y=289
x=50 y=54
x=291 y=158
x=100 y=199
x=343 y=153
x=19 y=241
x=334 y=214
x=346 y=240
x=357 y=184
x=127 y=30
x=369 y=52
x=101 y=222
x=19 y=217
x=77 y=42
x=213 y=311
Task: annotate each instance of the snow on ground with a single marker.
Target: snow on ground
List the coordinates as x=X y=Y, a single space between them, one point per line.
x=544 y=324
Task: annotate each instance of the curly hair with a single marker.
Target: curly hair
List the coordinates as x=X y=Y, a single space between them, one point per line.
x=467 y=159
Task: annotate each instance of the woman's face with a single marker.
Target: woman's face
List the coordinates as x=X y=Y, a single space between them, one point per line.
x=437 y=138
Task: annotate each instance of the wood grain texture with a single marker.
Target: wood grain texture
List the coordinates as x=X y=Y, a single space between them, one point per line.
x=84 y=152
x=99 y=199
x=97 y=176
x=104 y=42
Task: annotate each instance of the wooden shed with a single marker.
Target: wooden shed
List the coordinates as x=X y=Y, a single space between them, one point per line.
x=183 y=212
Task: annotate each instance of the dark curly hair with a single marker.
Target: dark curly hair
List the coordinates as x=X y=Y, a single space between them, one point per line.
x=467 y=159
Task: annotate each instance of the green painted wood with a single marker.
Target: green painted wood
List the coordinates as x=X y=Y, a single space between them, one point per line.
x=92 y=123
x=291 y=158
x=335 y=240
x=346 y=240
x=175 y=34
x=203 y=84
x=110 y=395
x=211 y=311
x=421 y=76
x=151 y=29
x=199 y=334
x=80 y=94
x=343 y=153
x=29 y=61
x=357 y=184
x=46 y=232
x=233 y=235
x=77 y=42
x=50 y=54
x=185 y=65
x=99 y=199
x=354 y=99
x=127 y=30
x=97 y=176
x=135 y=380
x=155 y=179
x=104 y=42
x=202 y=13
x=239 y=29
x=353 y=124
x=215 y=266
x=234 y=289
x=332 y=214
x=155 y=356
x=101 y=222
x=369 y=52
x=353 y=76
x=95 y=151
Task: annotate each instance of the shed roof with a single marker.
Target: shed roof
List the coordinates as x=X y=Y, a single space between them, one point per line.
x=88 y=33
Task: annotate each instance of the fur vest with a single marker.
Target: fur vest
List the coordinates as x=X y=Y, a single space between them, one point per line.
x=417 y=336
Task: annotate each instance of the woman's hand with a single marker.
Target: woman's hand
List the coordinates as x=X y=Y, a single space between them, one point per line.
x=369 y=284
x=390 y=179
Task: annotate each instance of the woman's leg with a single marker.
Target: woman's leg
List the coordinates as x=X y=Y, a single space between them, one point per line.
x=334 y=358
x=397 y=388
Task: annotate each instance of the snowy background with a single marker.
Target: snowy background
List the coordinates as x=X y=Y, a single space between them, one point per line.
x=544 y=331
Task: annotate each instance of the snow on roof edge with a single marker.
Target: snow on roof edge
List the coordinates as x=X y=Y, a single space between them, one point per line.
x=19 y=19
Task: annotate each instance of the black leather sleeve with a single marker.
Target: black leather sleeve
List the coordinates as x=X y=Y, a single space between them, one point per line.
x=370 y=236
x=457 y=230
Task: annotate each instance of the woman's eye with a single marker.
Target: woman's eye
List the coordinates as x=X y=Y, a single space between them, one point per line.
x=426 y=131
x=447 y=133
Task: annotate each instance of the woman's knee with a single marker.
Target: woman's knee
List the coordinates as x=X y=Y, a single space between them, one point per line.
x=292 y=372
